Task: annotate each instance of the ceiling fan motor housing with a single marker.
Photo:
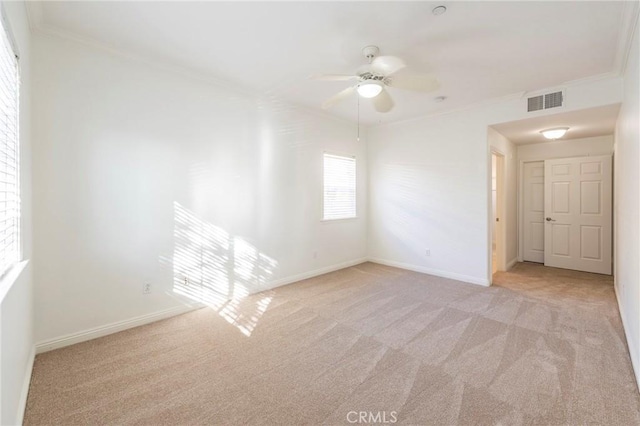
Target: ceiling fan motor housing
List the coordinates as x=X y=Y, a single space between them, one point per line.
x=371 y=76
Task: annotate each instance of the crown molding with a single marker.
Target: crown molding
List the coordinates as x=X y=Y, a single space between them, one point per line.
x=628 y=27
x=34 y=14
x=572 y=83
x=268 y=96
x=509 y=97
x=589 y=79
x=466 y=107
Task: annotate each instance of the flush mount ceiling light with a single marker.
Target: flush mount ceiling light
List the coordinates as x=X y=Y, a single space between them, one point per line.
x=555 y=133
x=369 y=88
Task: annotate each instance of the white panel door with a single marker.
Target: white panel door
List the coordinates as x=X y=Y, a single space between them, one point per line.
x=533 y=180
x=577 y=200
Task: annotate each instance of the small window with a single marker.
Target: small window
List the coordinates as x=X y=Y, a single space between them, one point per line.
x=339 y=187
x=9 y=159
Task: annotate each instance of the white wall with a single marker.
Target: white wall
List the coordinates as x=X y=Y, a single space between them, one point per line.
x=598 y=145
x=510 y=216
x=429 y=184
x=16 y=308
x=626 y=206
x=145 y=174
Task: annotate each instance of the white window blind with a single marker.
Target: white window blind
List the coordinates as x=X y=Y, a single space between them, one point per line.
x=339 y=187
x=9 y=197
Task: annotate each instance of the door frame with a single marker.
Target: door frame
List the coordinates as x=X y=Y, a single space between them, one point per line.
x=501 y=235
x=520 y=206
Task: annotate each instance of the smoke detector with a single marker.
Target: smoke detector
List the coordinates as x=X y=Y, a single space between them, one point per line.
x=439 y=10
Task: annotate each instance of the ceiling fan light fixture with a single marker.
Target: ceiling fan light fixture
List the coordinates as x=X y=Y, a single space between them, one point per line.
x=555 y=133
x=369 y=88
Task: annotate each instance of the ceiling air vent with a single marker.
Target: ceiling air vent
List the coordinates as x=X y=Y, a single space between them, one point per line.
x=549 y=100
x=536 y=103
x=552 y=100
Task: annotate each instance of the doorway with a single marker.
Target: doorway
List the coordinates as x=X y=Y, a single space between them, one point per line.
x=497 y=212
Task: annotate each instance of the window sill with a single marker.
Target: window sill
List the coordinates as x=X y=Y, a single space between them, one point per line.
x=339 y=220
x=10 y=278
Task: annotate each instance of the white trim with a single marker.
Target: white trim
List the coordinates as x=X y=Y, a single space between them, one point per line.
x=104 y=330
x=169 y=66
x=24 y=392
x=437 y=272
x=484 y=103
x=501 y=207
x=520 y=201
x=511 y=263
x=305 y=275
x=340 y=218
x=631 y=345
x=580 y=81
x=629 y=23
x=34 y=14
x=339 y=154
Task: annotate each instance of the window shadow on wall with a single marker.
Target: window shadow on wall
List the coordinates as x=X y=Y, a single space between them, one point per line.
x=220 y=270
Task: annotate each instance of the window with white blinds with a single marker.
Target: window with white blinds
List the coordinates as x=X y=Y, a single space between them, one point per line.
x=339 y=187
x=9 y=196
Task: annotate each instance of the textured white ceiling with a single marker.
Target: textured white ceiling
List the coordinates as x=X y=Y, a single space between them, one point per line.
x=583 y=123
x=479 y=50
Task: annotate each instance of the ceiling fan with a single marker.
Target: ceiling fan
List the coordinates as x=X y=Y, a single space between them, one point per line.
x=373 y=79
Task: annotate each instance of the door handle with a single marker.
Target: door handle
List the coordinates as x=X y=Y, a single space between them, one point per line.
x=550 y=220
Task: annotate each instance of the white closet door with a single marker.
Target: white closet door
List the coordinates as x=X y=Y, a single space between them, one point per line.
x=533 y=179
x=577 y=203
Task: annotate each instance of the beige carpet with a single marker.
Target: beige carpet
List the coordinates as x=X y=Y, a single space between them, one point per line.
x=543 y=346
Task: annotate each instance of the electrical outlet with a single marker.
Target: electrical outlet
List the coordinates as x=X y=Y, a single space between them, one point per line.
x=146 y=288
x=427 y=252
x=186 y=281
x=315 y=254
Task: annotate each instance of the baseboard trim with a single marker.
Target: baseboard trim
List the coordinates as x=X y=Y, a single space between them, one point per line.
x=437 y=272
x=316 y=272
x=105 y=330
x=24 y=392
x=633 y=351
x=511 y=263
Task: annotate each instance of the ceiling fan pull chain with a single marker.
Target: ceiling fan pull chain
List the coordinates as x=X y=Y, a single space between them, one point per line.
x=358 y=138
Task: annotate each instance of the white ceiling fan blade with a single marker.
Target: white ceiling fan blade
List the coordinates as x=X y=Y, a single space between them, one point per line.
x=387 y=65
x=333 y=77
x=382 y=102
x=414 y=81
x=338 y=97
